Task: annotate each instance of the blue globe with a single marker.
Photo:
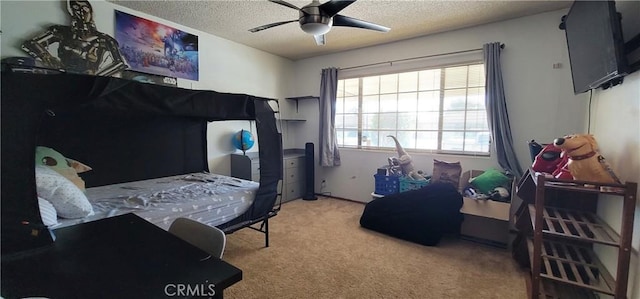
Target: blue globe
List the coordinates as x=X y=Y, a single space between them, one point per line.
x=243 y=140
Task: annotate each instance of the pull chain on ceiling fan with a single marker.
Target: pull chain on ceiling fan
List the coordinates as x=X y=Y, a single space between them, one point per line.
x=317 y=19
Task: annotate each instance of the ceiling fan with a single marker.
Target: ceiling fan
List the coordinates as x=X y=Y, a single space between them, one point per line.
x=317 y=19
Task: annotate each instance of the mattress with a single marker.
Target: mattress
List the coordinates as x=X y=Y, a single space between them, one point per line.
x=209 y=198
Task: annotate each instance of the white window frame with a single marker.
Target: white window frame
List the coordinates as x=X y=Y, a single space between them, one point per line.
x=435 y=63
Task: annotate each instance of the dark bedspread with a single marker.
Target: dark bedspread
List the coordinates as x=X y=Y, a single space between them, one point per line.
x=422 y=216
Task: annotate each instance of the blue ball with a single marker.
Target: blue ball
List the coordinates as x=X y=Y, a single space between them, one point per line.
x=243 y=140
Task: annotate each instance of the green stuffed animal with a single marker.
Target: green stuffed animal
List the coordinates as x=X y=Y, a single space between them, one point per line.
x=68 y=168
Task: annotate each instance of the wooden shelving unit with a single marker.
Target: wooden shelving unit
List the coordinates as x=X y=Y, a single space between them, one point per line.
x=560 y=231
x=578 y=225
x=550 y=289
x=575 y=265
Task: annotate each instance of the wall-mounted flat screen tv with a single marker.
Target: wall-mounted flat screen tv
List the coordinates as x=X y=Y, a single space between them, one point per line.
x=595 y=43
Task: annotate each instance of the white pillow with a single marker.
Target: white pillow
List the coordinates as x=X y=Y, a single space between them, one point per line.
x=47 y=212
x=68 y=200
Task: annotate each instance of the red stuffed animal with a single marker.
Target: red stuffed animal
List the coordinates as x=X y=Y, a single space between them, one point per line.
x=562 y=170
x=552 y=160
x=548 y=159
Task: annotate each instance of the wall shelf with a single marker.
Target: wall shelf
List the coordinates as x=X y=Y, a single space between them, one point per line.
x=293 y=119
x=301 y=98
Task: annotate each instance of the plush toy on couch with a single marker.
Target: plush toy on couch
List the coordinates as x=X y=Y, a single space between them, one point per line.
x=584 y=161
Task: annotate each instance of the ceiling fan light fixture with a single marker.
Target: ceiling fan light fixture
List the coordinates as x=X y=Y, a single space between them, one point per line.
x=315 y=28
x=317 y=18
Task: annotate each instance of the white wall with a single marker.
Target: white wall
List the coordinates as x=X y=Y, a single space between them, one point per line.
x=616 y=125
x=540 y=99
x=225 y=66
x=615 y=122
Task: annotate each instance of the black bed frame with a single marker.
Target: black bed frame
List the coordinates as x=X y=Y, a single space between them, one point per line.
x=263 y=224
x=126 y=131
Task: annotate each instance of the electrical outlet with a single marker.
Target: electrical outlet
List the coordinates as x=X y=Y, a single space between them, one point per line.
x=323 y=184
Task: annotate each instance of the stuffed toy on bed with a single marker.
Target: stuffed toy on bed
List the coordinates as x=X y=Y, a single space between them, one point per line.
x=68 y=168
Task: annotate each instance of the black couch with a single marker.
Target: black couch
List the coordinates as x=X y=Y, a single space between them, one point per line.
x=422 y=216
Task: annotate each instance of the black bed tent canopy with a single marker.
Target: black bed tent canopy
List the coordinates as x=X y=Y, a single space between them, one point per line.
x=124 y=130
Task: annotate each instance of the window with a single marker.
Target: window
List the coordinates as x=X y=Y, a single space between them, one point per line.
x=438 y=109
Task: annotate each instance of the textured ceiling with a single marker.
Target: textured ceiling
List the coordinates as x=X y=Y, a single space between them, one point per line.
x=406 y=18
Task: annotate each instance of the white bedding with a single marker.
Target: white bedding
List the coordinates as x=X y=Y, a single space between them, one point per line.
x=209 y=198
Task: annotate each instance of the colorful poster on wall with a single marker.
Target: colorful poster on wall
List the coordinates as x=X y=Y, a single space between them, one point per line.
x=153 y=48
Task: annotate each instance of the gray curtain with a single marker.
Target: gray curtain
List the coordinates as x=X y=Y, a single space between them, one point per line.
x=497 y=115
x=329 y=155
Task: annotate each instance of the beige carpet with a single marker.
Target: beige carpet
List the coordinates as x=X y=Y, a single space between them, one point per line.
x=319 y=250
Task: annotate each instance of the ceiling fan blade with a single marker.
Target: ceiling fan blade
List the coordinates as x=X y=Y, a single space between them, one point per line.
x=263 y=27
x=320 y=39
x=340 y=20
x=333 y=7
x=284 y=3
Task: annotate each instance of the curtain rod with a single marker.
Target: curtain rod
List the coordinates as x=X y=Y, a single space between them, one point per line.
x=413 y=58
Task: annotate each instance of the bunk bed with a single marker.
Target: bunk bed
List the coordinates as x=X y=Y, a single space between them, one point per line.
x=129 y=133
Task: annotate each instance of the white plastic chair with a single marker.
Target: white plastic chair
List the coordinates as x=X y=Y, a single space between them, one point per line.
x=208 y=238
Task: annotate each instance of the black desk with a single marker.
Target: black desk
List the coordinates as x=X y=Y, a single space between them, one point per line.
x=118 y=257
